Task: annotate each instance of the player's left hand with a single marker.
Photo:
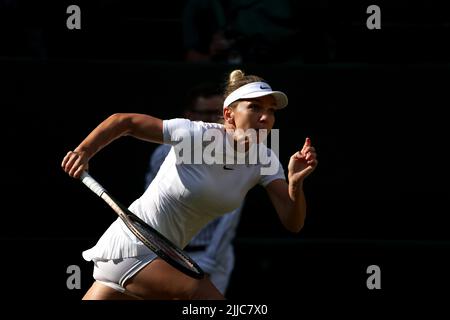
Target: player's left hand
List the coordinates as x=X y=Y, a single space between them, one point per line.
x=302 y=163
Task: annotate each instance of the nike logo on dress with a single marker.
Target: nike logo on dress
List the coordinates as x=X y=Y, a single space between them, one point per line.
x=226 y=168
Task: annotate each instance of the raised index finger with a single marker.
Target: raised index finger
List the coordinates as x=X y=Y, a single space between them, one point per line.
x=307 y=144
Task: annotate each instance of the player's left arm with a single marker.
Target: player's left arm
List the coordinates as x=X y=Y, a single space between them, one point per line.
x=288 y=198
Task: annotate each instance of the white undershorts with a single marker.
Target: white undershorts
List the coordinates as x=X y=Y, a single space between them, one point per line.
x=114 y=273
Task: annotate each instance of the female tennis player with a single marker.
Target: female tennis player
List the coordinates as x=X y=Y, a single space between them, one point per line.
x=183 y=197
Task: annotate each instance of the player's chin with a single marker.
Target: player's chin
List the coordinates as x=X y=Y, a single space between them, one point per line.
x=262 y=134
x=260 y=139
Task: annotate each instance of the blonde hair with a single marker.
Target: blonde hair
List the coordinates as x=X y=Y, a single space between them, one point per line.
x=237 y=79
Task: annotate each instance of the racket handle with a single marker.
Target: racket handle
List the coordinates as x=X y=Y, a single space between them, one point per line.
x=92 y=184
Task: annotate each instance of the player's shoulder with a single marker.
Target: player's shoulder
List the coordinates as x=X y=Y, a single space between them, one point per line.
x=200 y=127
x=207 y=125
x=186 y=123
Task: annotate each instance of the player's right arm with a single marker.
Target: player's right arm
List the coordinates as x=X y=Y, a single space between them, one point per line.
x=140 y=126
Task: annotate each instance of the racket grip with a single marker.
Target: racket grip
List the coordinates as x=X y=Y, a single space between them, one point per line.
x=92 y=184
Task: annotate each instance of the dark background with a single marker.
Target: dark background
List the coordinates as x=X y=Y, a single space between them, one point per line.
x=373 y=102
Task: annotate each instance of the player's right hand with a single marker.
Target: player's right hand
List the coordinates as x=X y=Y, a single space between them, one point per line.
x=74 y=163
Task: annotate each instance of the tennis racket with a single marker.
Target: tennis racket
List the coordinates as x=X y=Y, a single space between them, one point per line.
x=154 y=240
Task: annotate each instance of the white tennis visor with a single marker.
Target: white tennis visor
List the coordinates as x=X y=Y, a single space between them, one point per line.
x=255 y=90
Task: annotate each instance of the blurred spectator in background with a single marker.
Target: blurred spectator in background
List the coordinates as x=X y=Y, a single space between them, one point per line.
x=237 y=31
x=22 y=29
x=203 y=31
x=212 y=247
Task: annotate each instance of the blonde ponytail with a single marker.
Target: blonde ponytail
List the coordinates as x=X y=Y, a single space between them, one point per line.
x=237 y=78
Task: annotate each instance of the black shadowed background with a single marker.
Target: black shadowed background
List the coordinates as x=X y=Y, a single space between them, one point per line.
x=373 y=103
